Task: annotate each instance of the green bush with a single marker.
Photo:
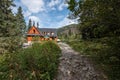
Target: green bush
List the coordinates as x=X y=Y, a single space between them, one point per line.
x=40 y=62
x=105 y=52
x=86 y=47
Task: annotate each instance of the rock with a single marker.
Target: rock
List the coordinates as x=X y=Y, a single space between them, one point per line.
x=73 y=66
x=85 y=68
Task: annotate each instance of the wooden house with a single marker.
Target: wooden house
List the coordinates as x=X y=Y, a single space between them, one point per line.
x=41 y=34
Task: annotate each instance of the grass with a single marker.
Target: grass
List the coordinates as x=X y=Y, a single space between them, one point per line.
x=105 y=54
x=39 y=62
x=86 y=47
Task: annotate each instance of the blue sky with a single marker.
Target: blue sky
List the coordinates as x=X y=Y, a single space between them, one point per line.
x=49 y=13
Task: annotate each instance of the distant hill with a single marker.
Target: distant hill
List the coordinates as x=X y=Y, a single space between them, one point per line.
x=69 y=31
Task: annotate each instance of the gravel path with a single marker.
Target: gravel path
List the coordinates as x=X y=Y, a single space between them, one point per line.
x=75 y=67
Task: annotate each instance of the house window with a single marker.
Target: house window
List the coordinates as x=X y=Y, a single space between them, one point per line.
x=48 y=33
x=33 y=31
x=52 y=33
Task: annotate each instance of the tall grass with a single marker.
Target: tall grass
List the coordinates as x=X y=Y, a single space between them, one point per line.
x=39 y=62
x=104 y=52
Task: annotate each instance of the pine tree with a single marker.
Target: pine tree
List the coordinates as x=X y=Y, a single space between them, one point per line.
x=37 y=24
x=97 y=18
x=6 y=17
x=20 y=21
x=29 y=24
x=9 y=39
x=69 y=32
x=33 y=23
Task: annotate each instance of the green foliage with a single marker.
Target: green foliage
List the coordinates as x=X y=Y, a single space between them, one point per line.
x=9 y=44
x=86 y=47
x=29 y=24
x=69 y=32
x=110 y=58
x=97 y=18
x=10 y=27
x=7 y=19
x=39 y=62
x=20 y=22
x=36 y=38
x=104 y=52
x=37 y=24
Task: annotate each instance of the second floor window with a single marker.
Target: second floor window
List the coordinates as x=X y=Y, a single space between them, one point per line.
x=33 y=31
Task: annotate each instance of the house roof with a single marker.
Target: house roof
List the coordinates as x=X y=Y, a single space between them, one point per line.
x=48 y=30
x=33 y=34
x=33 y=27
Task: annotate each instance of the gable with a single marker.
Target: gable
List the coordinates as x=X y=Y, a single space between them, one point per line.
x=48 y=31
x=33 y=30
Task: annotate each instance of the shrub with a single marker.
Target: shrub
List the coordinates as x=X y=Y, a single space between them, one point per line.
x=39 y=62
x=105 y=52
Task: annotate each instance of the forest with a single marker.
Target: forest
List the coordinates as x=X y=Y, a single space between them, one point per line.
x=38 y=62
x=12 y=27
x=97 y=35
x=99 y=25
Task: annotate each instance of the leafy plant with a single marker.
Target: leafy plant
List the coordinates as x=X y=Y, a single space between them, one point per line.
x=39 y=62
x=104 y=52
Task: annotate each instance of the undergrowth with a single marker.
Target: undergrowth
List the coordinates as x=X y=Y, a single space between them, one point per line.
x=104 y=52
x=39 y=62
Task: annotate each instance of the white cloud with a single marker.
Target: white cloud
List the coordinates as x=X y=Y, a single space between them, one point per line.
x=35 y=19
x=53 y=8
x=62 y=23
x=14 y=10
x=53 y=3
x=66 y=21
x=27 y=13
x=58 y=24
x=34 y=6
x=61 y=6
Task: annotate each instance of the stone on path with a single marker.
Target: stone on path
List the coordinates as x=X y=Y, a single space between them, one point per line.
x=74 y=66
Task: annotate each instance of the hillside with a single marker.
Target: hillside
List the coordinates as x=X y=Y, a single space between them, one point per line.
x=69 y=32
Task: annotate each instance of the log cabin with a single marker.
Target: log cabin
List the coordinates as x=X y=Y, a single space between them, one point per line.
x=41 y=34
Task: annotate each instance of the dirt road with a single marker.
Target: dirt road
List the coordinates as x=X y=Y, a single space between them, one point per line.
x=74 y=66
